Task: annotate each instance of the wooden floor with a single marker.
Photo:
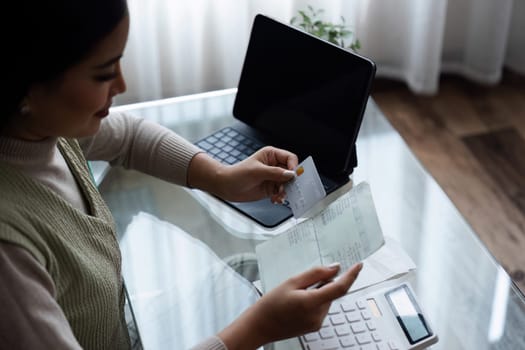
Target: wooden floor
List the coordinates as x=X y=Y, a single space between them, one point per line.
x=471 y=138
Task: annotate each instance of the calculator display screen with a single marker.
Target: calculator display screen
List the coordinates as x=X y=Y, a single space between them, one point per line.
x=408 y=314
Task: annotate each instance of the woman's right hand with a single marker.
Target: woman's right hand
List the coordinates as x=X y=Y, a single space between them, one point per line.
x=289 y=310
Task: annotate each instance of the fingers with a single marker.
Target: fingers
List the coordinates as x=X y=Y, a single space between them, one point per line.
x=314 y=275
x=285 y=157
x=339 y=287
x=276 y=174
x=279 y=157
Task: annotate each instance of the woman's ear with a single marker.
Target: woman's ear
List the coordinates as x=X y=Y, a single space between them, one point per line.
x=25 y=109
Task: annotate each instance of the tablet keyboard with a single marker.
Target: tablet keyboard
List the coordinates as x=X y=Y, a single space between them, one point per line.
x=229 y=146
x=348 y=325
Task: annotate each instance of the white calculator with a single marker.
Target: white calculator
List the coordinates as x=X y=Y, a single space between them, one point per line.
x=387 y=318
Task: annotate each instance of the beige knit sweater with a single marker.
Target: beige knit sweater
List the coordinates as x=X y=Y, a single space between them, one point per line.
x=60 y=280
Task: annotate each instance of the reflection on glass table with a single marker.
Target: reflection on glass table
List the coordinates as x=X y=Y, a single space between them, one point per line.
x=176 y=243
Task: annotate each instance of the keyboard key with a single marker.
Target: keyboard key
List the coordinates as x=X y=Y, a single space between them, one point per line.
x=222 y=155
x=381 y=346
x=230 y=160
x=205 y=145
x=239 y=137
x=370 y=325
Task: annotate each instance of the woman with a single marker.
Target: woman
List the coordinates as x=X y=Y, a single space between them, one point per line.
x=60 y=274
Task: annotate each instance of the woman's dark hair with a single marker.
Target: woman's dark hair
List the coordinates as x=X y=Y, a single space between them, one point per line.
x=43 y=38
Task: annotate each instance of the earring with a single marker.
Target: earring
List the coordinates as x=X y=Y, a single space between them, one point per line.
x=25 y=109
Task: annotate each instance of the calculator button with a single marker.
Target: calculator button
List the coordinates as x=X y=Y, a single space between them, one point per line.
x=329 y=344
x=358 y=328
x=326 y=333
x=334 y=309
x=353 y=317
x=381 y=346
x=342 y=330
x=337 y=319
x=311 y=337
x=368 y=347
x=366 y=315
x=347 y=307
x=376 y=337
x=347 y=342
x=392 y=345
x=361 y=305
x=363 y=338
x=370 y=325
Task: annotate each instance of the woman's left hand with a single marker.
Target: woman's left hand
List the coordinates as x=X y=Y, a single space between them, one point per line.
x=261 y=175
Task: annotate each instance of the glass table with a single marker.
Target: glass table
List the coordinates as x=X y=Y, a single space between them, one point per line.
x=178 y=244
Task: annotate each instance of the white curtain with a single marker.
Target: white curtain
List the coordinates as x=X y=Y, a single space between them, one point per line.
x=179 y=47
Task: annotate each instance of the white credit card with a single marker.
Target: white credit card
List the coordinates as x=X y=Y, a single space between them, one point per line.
x=306 y=189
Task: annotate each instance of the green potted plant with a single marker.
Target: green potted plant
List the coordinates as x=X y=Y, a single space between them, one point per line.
x=338 y=34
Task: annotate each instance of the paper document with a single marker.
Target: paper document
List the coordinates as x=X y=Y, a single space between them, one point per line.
x=347 y=231
x=388 y=262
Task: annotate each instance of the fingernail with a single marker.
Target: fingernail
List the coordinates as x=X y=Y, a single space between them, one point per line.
x=359 y=266
x=334 y=265
x=289 y=173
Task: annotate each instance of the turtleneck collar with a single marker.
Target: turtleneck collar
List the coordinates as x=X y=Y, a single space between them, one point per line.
x=15 y=150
